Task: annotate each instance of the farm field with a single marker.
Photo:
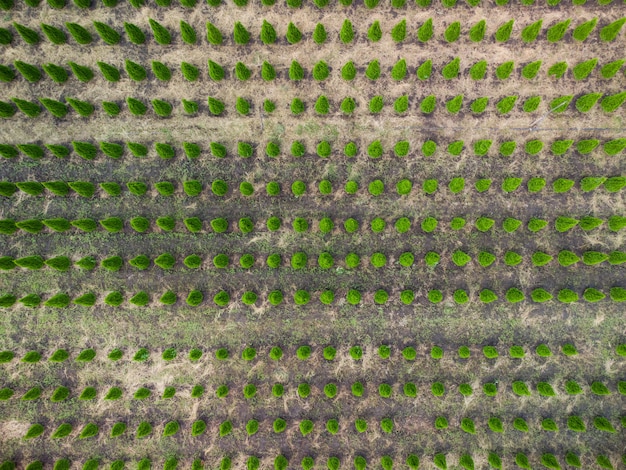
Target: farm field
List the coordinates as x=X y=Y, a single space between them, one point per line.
x=312 y=234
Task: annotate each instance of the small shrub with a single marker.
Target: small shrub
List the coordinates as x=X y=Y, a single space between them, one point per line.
x=477 y=32
x=557 y=70
x=401 y=104
x=347 y=32
x=531 y=70
x=555 y=33
x=304 y=390
x=321 y=71
x=360 y=425
x=520 y=424
x=599 y=388
x=425 y=31
x=583 y=69
x=491 y=390
x=330 y=390
x=460 y=258
x=241 y=35
x=530 y=32
x=356 y=352
x=575 y=423
x=610 y=32
x=168 y=298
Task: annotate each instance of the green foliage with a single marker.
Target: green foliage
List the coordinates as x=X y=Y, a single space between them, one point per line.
x=63 y=430
x=30 y=72
x=479 y=105
x=144 y=429
x=477 y=32
x=451 y=69
x=425 y=31
x=583 y=69
x=424 y=71
x=506 y=104
x=29 y=108
x=503 y=33
x=112 y=109
x=558 y=69
x=612 y=30
x=216 y=107
x=161 y=71
x=161 y=108
x=347 y=32
x=603 y=424
x=60 y=300
x=555 y=33
x=296 y=72
x=35 y=430
x=240 y=34
x=609 y=103
x=187 y=34
x=214 y=35
x=398 y=32
x=83 y=108
x=134 y=33
x=5 y=36
x=161 y=35
x=504 y=70
x=530 y=32
x=268 y=33
x=7 y=110
x=242 y=106
x=55 y=35
x=81 y=35
x=272 y=149
x=452 y=32
x=30 y=36
x=439 y=460
x=582 y=31
x=531 y=104
x=353 y=297
x=319 y=34
x=574 y=423
x=610 y=69
x=531 y=70
x=107 y=33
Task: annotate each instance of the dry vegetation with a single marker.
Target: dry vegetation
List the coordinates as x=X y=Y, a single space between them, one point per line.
x=596 y=329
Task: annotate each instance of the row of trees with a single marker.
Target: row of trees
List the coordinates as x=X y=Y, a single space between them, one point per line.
x=481 y=147
x=306 y=427
x=441 y=461
x=354 y=297
x=305 y=352
x=7 y=5
x=325 y=260
x=320 y=71
x=326 y=225
x=609 y=103
x=331 y=390
x=425 y=32
x=194 y=188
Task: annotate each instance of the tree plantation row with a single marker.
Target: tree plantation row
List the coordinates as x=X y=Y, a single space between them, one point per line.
x=246 y=225
x=476 y=33
x=306 y=352
x=299 y=188
x=307 y=427
x=354 y=297
x=216 y=107
x=280 y=462
x=325 y=260
x=324 y=149
x=330 y=390
x=370 y=4
x=268 y=72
